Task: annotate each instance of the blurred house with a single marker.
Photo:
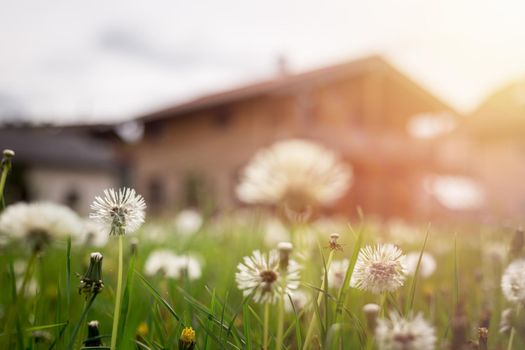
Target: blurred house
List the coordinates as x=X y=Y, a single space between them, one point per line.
x=64 y=165
x=365 y=109
x=494 y=151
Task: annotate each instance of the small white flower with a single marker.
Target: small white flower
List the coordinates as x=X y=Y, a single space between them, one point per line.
x=337 y=272
x=187 y=266
x=94 y=235
x=259 y=276
x=188 y=221
x=160 y=262
x=427 y=266
x=173 y=266
x=513 y=282
x=299 y=299
x=297 y=173
x=379 y=269
x=398 y=333
x=120 y=212
x=39 y=223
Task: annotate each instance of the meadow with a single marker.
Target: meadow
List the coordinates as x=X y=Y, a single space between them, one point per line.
x=419 y=287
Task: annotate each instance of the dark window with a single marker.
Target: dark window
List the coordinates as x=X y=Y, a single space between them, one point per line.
x=222 y=118
x=156 y=192
x=72 y=198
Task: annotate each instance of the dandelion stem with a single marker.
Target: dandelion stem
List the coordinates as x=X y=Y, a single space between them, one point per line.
x=280 y=318
x=3 y=178
x=118 y=296
x=310 y=331
x=513 y=330
x=265 y=329
x=383 y=304
x=27 y=274
x=79 y=323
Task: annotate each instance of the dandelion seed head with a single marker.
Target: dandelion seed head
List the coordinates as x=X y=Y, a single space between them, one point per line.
x=296 y=300
x=119 y=212
x=411 y=333
x=39 y=223
x=165 y=262
x=337 y=272
x=259 y=276
x=188 y=221
x=379 y=269
x=513 y=282
x=427 y=266
x=296 y=173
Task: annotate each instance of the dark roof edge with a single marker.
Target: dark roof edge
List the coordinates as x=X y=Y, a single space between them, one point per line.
x=260 y=88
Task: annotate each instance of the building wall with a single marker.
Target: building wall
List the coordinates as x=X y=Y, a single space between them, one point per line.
x=363 y=118
x=77 y=188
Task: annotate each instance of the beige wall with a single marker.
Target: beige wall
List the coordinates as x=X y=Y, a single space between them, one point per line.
x=362 y=117
x=55 y=185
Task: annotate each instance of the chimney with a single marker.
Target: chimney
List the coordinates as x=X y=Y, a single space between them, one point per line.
x=282 y=66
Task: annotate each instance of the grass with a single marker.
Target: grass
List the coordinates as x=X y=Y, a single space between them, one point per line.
x=155 y=310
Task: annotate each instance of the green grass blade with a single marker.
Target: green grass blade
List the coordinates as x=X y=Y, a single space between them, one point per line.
x=246 y=326
x=124 y=314
x=413 y=283
x=355 y=253
x=159 y=298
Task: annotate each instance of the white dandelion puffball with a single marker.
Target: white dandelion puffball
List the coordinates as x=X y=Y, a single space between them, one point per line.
x=258 y=276
x=427 y=266
x=187 y=266
x=120 y=212
x=160 y=262
x=513 y=282
x=93 y=234
x=296 y=301
x=411 y=333
x=188 y=221
x=294 y=172
x=379 y=269
x=171 y=265
x=337 y=272
x=39 y=223
x=275 y=232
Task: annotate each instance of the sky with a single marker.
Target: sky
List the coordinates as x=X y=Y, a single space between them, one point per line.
x=109 y=61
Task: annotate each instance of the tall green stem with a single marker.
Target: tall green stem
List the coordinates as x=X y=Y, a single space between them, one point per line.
x=310 y=331
x=265 y=326
x=280 y=317
x=79 y=323
x=513 y=330
x=3 y=178
x=118 y=295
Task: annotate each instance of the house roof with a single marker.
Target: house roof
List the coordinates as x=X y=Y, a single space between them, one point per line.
x=501 y=115
x=57 y=147
x=289 y=82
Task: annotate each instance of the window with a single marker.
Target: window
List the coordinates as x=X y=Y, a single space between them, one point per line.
x=156 y=192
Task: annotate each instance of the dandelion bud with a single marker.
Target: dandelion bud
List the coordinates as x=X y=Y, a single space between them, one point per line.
x=516 y=245
x=41 y=337
x=6 y=159
x=483 y=334
x=93 y=338
x=285 y=248
x=505 y=324
x=371 y=312
x=333 y=244
x=91 y=283
x=459 y=325
x=8 y=153
x=187 y=339
x=134 y=245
